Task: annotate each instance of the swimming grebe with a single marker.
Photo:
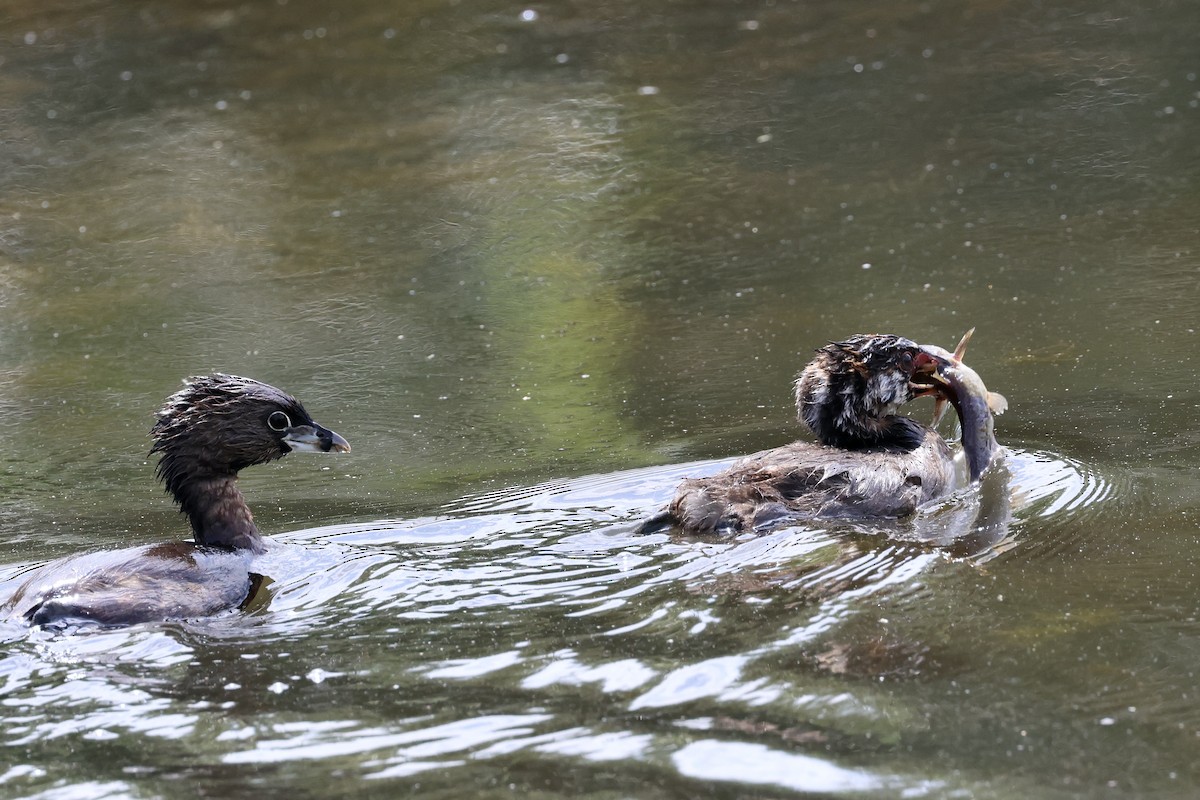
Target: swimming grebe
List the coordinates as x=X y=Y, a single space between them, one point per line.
x=204 y=435
x=869 y=462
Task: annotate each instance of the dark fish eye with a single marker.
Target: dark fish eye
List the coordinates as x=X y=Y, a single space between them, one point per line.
x=278 y=421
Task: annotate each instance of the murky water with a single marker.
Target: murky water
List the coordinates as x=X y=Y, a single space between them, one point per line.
x=536 y=262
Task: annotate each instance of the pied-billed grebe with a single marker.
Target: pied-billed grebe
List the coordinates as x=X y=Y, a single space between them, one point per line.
x=205 y=433
x=870 y=462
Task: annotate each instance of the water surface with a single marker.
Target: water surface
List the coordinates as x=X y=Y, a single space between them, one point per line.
x=537 y=263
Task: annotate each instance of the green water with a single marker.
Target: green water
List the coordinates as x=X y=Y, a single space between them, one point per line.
x=534 y=262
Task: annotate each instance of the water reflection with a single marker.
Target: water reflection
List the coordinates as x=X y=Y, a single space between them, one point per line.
x=757 y=764
x=571 y=545
x=502 y=247
x=590 y=589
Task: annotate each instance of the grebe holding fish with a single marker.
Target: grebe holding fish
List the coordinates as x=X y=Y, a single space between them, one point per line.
x=870 y=462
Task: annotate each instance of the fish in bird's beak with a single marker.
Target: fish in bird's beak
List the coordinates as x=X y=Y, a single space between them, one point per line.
x=943 y=374
x=927 y=379
x=939 y=407
x=937 y=362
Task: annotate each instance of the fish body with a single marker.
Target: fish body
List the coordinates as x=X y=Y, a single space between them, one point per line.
x=975 y=405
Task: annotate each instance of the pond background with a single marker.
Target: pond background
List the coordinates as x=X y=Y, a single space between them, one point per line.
x=533 y=261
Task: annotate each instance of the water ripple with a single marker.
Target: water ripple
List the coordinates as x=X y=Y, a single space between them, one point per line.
x=740 y=762
x=519 y=602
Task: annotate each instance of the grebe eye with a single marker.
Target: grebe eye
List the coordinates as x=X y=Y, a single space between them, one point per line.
x=906 y=360
x=278 y=421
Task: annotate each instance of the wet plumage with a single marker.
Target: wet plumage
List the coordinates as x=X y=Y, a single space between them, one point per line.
x=204 y=435
x=867 y=462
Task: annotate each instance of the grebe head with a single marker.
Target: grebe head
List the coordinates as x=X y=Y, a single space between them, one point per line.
x=224 y=423
x=850 y=392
